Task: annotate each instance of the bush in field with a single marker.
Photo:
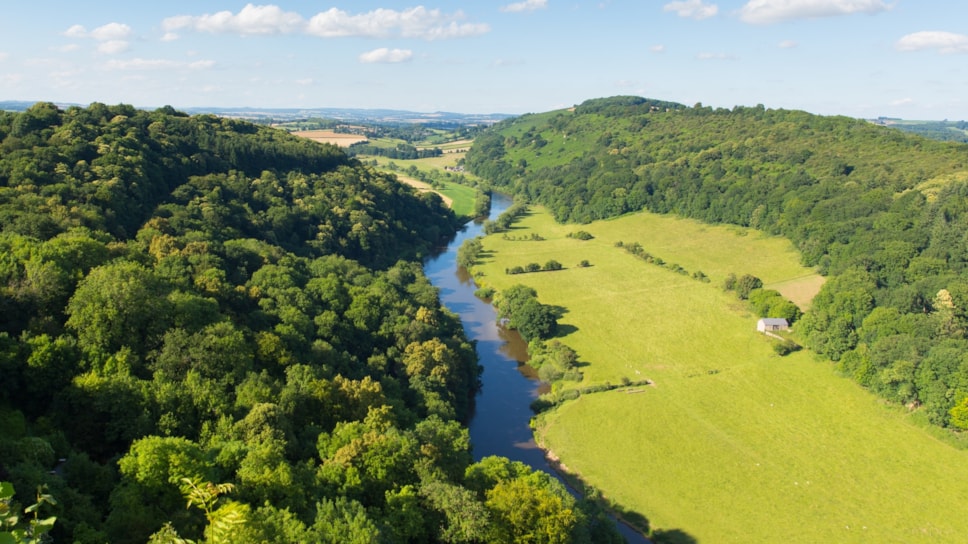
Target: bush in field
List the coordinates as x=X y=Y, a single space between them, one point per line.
x=786 y=347
x=554 y=360
x=745 y=284
x=580 y=235
x=469 y=251
x=518 y=306
x=484 y=292
x=770 y=303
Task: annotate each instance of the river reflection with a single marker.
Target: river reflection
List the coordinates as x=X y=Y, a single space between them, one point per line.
x=500 y=423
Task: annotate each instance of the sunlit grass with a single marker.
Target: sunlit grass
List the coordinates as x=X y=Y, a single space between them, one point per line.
x=732 y=443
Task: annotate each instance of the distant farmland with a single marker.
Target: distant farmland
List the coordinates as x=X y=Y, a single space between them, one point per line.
x=330 y=137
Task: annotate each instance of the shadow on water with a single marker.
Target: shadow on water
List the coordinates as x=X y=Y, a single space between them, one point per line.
x=500 y=422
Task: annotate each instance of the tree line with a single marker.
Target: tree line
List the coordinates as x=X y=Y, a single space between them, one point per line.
x=880 y=212
x=202 y=312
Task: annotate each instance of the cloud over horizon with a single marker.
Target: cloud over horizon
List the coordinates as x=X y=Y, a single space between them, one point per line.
x=112 y=38
x=385 y=55
x=417 y=22
x=526 y=5
x=692 y=9
x=156 y=64
x=944 y=42
x=777 y=11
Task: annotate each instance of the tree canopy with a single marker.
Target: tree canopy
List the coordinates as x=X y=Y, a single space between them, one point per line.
x=201 y=311
x=879 y=211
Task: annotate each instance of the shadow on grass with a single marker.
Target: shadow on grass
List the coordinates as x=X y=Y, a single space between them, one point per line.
x=565 y=330
x=633 y=526
x=673 y=536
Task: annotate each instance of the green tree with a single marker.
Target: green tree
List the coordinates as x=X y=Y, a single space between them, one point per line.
x=122 y=304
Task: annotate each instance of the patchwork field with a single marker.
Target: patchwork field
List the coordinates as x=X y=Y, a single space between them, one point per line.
x=459 y=198
x=330 y=137
x=732 y=443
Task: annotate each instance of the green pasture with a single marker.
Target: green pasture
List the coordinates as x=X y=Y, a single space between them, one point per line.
x=731 y=443
x=463 y=197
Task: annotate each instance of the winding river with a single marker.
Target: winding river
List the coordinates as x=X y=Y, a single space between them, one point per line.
x=500 y=423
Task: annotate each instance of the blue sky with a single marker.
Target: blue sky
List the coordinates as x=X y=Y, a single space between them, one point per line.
x=861 y=58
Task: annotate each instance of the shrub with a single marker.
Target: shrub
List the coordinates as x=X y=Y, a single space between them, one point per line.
x=786 y=347
x=484 y=292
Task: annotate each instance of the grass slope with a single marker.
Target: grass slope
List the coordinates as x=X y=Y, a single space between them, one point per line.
x=733 y=443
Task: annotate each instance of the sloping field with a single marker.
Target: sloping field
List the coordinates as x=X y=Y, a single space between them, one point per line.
x=330 y=137
x=732 y=443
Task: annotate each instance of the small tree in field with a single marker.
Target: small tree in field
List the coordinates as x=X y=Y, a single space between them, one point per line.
x=745 y=284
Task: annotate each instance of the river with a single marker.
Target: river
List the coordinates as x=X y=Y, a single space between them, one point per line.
x=502 y=413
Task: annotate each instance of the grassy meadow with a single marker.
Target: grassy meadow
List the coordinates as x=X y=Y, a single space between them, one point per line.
x=732 y=443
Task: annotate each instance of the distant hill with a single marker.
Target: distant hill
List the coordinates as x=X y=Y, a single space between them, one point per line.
x=359 y=115
x=882 y=212
x=948 y=131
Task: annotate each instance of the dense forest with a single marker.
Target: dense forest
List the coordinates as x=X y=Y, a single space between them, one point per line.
x=216 y=331
x=882 y=213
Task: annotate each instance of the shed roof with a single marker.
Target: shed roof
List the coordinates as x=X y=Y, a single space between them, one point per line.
x=774 y=321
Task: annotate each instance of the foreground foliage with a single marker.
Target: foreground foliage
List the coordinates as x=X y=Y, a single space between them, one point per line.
x=186 y=300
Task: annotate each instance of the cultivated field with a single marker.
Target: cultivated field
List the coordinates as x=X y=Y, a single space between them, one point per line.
x=330 y=137
x=732 y=443
x=425 y=187
x=459 y=198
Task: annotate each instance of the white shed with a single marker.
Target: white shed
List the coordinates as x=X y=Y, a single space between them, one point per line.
x=770 y=324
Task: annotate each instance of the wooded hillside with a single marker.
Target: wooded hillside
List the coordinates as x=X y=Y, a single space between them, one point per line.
x=882 y=213
x=200 y=311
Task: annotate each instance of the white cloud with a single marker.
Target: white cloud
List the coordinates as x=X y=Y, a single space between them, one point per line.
x=944 y=42
x=787 y=44
x=11 y=79
x=251 y=20
x=66 y=48
x=418 y=22
x=112 y=47
x=386 y=56
x=76 y=31
x=527 y=5
x=693 y=9
x=658 y=48
x=169 y=37
x=111 y=31
x=715 y=56
x=3 y=56
x=157 y=64
x=112 y=37
x=108 y=32
x=775 y=11
x=903 y=102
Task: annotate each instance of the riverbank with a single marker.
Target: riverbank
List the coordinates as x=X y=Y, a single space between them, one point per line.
x=735 y=444
x=501 y=424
